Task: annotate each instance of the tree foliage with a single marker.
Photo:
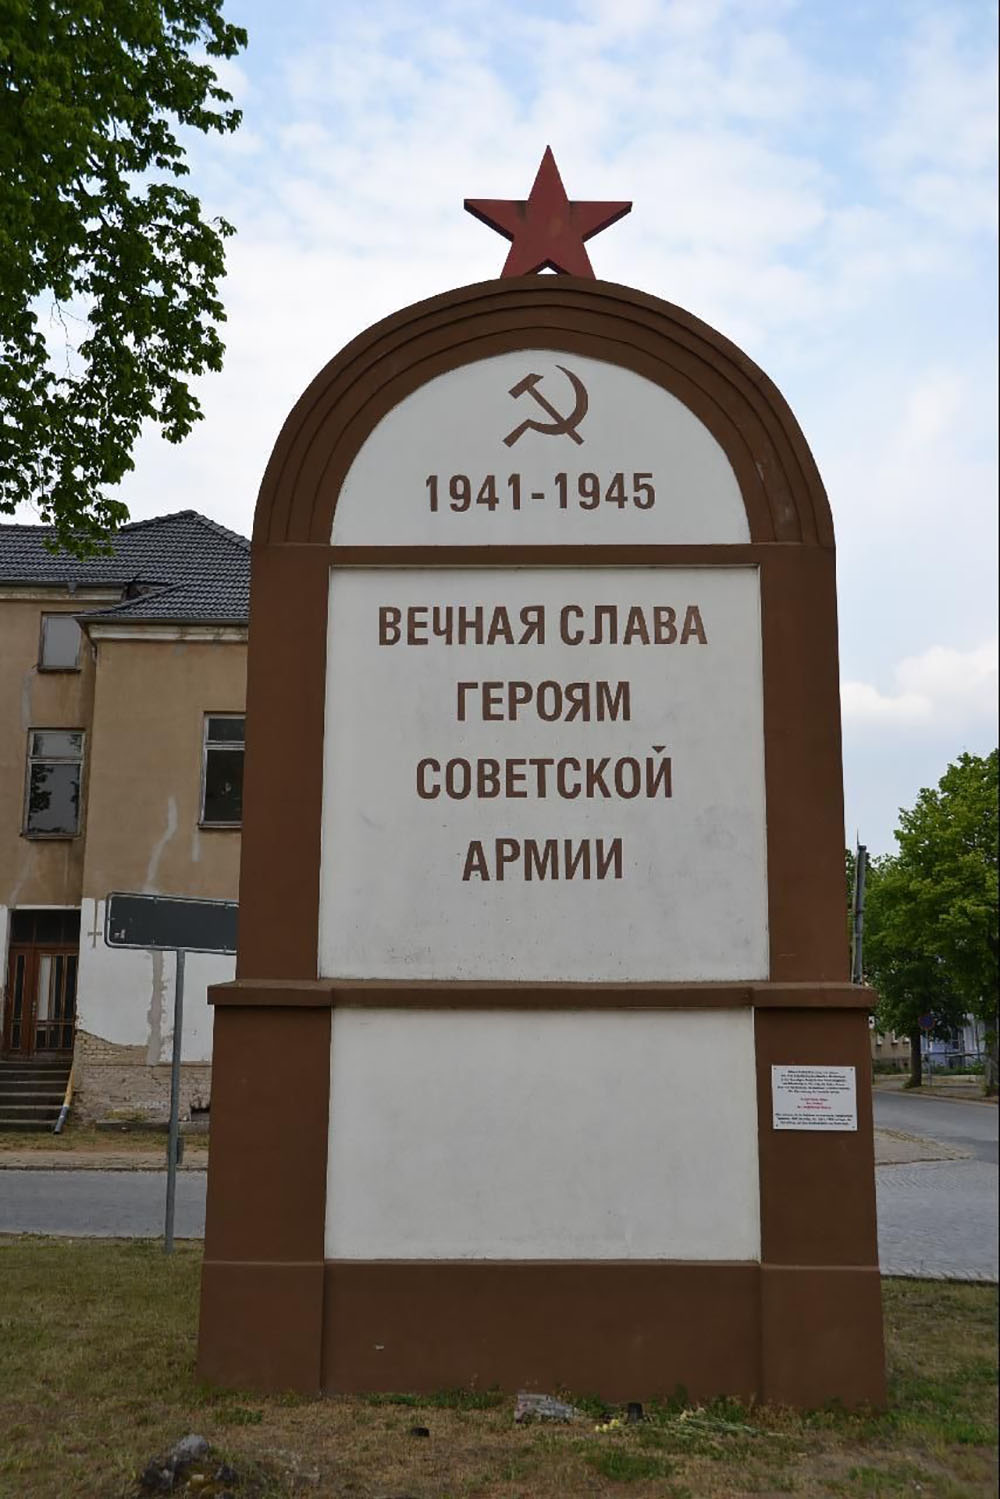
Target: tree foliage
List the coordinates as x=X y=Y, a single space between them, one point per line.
x=931 y=939
x=108 y=272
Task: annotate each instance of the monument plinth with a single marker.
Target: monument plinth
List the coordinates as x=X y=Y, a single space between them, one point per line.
x=542 y=1067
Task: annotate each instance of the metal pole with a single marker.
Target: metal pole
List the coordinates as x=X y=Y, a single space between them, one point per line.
x=173 y=1138
x=857 y=955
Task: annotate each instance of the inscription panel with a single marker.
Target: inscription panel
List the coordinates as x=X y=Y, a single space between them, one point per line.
x=544 y=776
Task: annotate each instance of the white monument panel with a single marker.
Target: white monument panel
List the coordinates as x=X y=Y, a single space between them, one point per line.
x=539 y=447
x=563 y=809
x=577 y=1135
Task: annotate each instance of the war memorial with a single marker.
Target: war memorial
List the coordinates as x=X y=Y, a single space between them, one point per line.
x=542 y=1067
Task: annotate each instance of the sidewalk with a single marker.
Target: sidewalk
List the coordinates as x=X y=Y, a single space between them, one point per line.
x=892 y=1148
x=98 y=1160
x=969 y=1089
x=85 y=1148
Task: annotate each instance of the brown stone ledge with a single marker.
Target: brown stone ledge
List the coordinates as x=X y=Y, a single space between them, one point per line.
x=380 y=994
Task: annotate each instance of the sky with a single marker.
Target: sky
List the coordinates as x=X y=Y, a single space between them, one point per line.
x=815 y=179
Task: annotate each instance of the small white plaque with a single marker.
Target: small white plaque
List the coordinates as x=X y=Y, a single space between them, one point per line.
x=814 y=1098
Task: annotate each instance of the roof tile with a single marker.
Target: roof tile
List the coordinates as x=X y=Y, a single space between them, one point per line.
x=184 y=566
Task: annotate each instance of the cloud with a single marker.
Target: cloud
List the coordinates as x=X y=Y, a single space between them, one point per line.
x=771 y=150
x=942 y=688
x=938 y=151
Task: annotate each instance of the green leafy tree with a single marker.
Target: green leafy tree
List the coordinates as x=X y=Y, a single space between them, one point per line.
x=931 y=919
x=108 y=272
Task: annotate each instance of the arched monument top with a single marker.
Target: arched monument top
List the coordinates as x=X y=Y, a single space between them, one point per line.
x=780 y=485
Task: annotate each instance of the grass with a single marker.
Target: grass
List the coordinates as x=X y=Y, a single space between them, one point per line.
x=96 y=1353
x=90 y=1139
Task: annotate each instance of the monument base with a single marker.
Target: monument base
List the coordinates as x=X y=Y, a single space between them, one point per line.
x=620 y=1330
x=801 y=1326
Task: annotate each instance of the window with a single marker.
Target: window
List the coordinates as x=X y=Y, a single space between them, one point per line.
x=55 y=761
x=61 y=640
x=222 y=776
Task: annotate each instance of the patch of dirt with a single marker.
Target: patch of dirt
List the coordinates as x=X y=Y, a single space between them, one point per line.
x=894 y=1148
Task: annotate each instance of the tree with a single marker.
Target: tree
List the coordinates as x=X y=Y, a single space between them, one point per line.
x=931 y=919
x=98 y=235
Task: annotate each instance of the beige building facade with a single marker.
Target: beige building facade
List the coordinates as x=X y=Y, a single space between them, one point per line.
x=123 y=683
x=890 y=1051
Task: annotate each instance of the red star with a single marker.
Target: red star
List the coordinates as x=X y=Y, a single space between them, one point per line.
x=547 y=230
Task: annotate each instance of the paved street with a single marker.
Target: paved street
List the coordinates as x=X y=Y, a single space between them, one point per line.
x=936 y=1218
x=939 y=1218
x=99 y=1204
x=968 y=1126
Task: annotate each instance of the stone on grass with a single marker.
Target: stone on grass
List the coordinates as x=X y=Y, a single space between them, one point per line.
x=532 y=1407
x=162 y=1475
x=189 y=1448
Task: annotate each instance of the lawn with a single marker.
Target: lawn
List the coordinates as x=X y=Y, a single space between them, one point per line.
x=91 y=1140
x=97 y=1348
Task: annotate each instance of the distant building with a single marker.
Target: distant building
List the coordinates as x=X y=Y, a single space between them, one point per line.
x=965 y=1044
x=890 y=1049
x=122 y=691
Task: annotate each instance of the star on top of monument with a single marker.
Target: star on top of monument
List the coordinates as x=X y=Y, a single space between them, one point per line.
x=546 y=229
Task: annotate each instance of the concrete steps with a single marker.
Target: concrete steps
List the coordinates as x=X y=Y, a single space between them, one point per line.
x=31 y=1094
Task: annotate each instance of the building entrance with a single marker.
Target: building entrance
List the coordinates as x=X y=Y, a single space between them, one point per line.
x=40 y=1013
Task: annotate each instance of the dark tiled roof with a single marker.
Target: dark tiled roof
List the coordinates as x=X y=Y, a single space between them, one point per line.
x=181 y=567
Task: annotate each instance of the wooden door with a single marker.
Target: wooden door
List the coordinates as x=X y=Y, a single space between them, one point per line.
x=40 y=1012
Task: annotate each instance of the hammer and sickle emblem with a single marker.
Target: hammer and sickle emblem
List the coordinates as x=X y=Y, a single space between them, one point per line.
x=559 y=426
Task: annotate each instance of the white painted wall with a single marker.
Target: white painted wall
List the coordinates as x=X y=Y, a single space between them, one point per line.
x=127 y=996
x=692 y=902
x=456 y=424
x=542 y=1135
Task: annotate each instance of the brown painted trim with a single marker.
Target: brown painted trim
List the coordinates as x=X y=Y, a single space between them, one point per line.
x=625 y=1330
x=270 y=1123
x=817 y=1189
x=815 y=996
x=781 y=487
x=375 y=995
x=283 y=778
x=821 y=1335
x=261 y=1325
x=546 y=556
x=803 y=777
x=293 y=994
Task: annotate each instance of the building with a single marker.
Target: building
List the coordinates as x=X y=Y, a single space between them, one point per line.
x=122 y=688
x=890 y=1051
x=964 y=1045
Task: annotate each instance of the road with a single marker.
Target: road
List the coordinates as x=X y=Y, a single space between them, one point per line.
x=939 y=1218
x=968 y=1126
x=99 y=1204
x=936 y=1218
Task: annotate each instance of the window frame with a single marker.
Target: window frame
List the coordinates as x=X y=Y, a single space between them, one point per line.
x=32 y=759
x=206 y=746
x=49 y=614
